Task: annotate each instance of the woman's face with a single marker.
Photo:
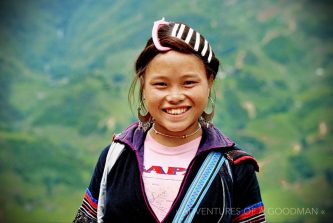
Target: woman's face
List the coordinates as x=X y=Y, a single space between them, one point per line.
x=176 y=91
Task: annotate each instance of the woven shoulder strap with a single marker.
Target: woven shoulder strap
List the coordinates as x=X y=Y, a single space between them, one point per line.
x=199 y=187
x=114 y=152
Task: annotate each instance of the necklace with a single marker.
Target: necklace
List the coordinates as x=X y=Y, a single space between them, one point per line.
x=178 y=137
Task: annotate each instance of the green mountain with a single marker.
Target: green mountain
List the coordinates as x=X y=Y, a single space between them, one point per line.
x=66 y=66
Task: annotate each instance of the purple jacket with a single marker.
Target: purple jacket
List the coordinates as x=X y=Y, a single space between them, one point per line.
x=233 y=196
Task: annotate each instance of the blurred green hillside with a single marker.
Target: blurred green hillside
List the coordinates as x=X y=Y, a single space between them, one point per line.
x=66 y=66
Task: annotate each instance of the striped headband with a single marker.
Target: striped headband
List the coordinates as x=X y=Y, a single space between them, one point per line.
x=188 y=35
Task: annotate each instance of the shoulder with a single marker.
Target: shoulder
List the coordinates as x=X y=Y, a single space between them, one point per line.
x=240 y=158
x=105 y=151
x=102 y=156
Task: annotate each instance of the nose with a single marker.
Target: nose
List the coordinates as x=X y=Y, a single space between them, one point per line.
x=174 y=97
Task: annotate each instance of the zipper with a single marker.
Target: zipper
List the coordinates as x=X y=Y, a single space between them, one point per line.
x=144 y=193
x=181 y=187
x=141 y=182
x=229 y=157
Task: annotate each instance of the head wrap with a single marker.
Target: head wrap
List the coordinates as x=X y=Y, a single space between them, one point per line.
x=188 y=35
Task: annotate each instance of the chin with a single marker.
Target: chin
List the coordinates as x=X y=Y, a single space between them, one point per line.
x=177 y=127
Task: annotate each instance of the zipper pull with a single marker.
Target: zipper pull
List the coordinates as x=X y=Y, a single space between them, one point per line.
x=229 y=157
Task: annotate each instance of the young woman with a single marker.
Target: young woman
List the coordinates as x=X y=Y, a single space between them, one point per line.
x=173 y=165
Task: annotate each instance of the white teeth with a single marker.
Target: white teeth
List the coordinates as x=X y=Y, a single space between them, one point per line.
x=176 y=111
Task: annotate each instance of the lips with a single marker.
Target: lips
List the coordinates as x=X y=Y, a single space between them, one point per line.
x=176 y=111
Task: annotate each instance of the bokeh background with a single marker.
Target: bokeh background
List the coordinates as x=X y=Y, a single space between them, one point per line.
x=66 y=66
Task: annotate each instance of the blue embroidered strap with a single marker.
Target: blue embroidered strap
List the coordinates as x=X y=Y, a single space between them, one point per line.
x=199 y=187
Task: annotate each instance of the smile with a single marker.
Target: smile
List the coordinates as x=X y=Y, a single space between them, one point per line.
x=176 y=111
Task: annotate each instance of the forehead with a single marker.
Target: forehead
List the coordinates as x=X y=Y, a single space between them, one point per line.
x=173 y=63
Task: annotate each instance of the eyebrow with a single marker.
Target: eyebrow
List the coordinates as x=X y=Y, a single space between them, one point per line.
x=190 y=75
x=160 y=77
x=167 y=77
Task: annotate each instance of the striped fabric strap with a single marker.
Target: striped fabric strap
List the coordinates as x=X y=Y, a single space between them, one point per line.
x=252 y=213
x=114 y=152
x=199 y=187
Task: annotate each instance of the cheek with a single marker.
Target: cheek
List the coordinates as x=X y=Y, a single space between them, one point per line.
x=202 y=95
x=152 y=99
x=204 y=102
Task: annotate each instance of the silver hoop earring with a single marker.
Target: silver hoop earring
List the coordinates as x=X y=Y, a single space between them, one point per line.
x=208 y=117
x=144 y=119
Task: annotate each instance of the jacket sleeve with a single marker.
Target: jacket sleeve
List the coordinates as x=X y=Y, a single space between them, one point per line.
x=87 y=212
x=247 y=202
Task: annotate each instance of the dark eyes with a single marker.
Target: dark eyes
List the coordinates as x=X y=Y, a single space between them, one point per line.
x=161 y=84
x=189 y=83
x=165 y=84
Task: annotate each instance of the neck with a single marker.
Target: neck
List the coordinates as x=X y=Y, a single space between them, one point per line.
x=183 y=138
x=174 y=140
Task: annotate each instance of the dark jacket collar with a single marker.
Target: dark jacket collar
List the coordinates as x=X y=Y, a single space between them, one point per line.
x=212 y=138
